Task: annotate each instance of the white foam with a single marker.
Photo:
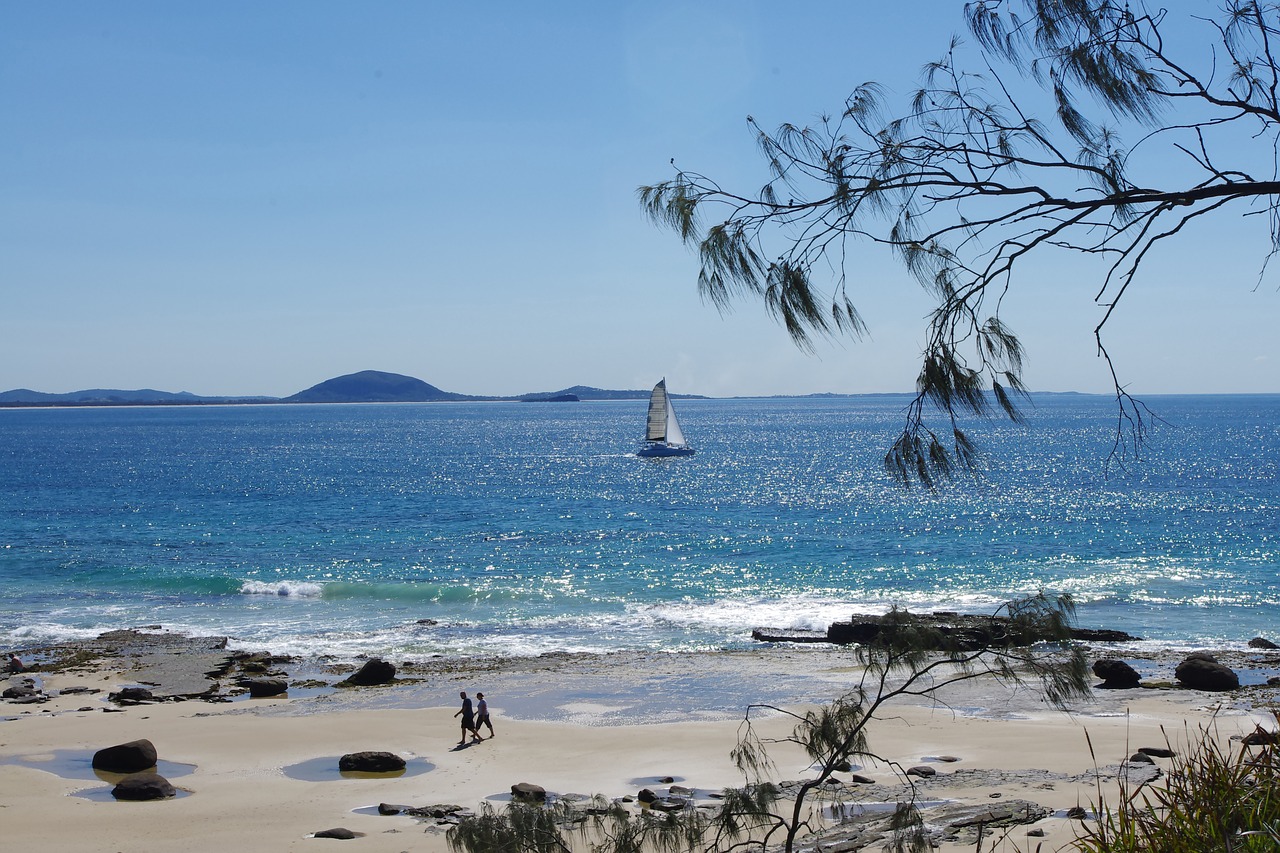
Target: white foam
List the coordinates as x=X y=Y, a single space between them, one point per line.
x=283 y=589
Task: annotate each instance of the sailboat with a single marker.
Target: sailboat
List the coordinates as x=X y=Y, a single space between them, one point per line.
x=662 y=435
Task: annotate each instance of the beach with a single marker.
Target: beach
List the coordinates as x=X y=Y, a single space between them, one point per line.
x=261 y=774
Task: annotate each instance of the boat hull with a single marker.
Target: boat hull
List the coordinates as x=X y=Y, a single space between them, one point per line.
x=657 y=449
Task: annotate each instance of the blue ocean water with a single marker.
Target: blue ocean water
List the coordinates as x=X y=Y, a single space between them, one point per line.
x=515 y=529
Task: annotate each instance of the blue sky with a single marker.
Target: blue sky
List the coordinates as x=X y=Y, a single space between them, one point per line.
x=250 y=198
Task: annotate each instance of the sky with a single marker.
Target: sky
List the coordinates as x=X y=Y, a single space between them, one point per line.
x=242 y=198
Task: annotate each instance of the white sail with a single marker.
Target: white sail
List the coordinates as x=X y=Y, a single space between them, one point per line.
x=674 y=435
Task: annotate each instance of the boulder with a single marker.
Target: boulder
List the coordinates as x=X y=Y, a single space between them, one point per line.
x=391 y=808
x=1260 y=737
x=1141 y=758
x=374 y=671
x=126 y=757
x=23 y=692
x=1199 y=673
x=1115 y=674
x=143 y=786
x=859 y=779
x=669 y=804
x=260 y=688
x=645 y=795
x=923 y=771
x=528 y=792
x=132 y=695
x=371 y=762
x=1156 y=751
x=1262 y=643
x=339 y=832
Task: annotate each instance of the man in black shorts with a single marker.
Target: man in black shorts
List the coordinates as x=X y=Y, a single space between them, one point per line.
x=468 y=720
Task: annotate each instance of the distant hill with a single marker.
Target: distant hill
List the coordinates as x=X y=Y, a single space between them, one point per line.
x=586 y=392
x=374 y=386
x=367 y=386
x=113 y=397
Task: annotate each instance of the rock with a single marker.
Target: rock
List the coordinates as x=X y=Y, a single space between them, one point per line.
x=949 y=759
x=1204 y=673
x=923 y=771
x=1035 y=833
x=1273 y=681
x=374 y=671
x=859 y=779
x=1141 y=758
x=1115 y=674
x=131 y=695
x=389 y=809
x=21 y=692
x=645 y=795
x=1077 y=813
x=1156 y=751
x=260 y=688
x=371 y=762
x=680 y=791
x=126 y=757
x=339 y=832
x=1260 y=737
x=143 y=786
x=667 y=780
x=669 y=804
x=1262 y=643
x=528 y=792
x=954 y=631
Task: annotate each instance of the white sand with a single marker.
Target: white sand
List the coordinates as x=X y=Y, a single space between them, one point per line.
x=242 y=800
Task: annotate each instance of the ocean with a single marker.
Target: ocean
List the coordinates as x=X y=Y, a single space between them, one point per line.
x=419 y=530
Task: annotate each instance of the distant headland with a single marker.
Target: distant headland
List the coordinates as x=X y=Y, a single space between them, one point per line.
x=367 y=386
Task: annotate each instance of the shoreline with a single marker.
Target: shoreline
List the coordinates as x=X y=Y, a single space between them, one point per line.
x=574 y=724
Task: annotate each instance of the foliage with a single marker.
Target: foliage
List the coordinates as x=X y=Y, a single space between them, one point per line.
x=916 y=660
x=1214 y=798
x=971 y=182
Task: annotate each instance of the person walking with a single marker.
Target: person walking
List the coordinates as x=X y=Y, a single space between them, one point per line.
x=468 y=720
x=482 y=714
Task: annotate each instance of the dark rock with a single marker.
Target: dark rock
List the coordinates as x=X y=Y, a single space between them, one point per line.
x=859 y=779
x=1077 y=813
x=1141 y=758
x=339 y=832
x=1156 y=751
x=669 y=804
x=20 y=692
x=389 y=809
x=1260 y=737
x=1273 y=681
x=1201 y=656
x=1116 y=674
x=131 y=695
x=949 y=759
x=1262 y=643
x=1199 y=673
x=126 y=757
x=1035 y=833
x=263 y=687
x=143 y=786
x=945 y=631
x=680 y=791
x=374 y=671
x=923 y=771
x=371 y=762
x=667 y=780
x=646 y=796
x=529 y=792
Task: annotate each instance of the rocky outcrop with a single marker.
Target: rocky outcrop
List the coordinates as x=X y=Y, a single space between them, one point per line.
x=374 y=671
x=371 y=762
x=126 y=757
x=941 y=630
x=1116 y=674
x=1201 y=671
x=1262 y=643
x=143 y=786
x=339 y=832
x=527 y=792
x=260 y=688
